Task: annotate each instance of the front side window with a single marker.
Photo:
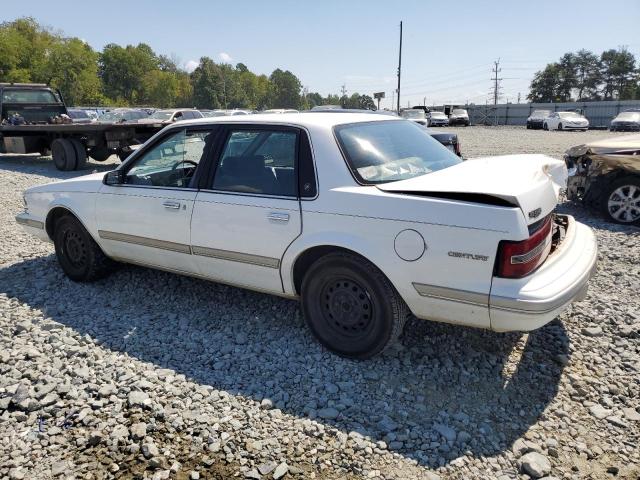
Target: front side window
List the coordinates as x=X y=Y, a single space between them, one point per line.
x=173 y=161
x=258 y=161
x=386 y=151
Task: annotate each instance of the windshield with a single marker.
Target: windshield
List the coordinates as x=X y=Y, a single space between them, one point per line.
x=110 y=117
x=416 y=114
x=633 y=116
x=386 y=151
x=162 y=115
x=29 y=96
x=569 y=115
x=438 y=115
x=541 y=113
x=458 y=111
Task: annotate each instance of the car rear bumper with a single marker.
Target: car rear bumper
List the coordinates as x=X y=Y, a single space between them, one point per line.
x=531 y=302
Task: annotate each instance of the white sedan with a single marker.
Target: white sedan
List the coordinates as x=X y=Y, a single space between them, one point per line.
x=565 y=121
x=364 y=218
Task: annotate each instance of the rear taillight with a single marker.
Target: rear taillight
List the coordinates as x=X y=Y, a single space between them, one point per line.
x=456 y=147
x=518 y=259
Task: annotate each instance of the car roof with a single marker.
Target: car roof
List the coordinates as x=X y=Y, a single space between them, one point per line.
x=318 y=119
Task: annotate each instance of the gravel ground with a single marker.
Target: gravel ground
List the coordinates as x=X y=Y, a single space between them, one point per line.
x=153 y=375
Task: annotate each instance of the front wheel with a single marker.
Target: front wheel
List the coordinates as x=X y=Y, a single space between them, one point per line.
x=559 y=126
x=621 y=201
x=79 y=255
x=545 y=126
x=351 y=307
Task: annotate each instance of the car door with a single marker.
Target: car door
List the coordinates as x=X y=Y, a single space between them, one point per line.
x=249 y=212
x=146 y=219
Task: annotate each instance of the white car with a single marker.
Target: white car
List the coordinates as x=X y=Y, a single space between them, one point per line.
x=364 y=218
x=459 y=116
x=172 y=115
x=438 y=119
x=565 y=121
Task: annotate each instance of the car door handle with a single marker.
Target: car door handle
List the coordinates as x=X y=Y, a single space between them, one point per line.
x=172 y=205
x=278 y=217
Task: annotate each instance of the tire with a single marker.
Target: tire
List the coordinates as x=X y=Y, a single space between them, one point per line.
x=81 y=154
x=559 y=127
x=545 y=126
x=99 y=154
x=621 y=201
x=351 y=307
x=78 y=254
x=528 y=126
x=64 y=155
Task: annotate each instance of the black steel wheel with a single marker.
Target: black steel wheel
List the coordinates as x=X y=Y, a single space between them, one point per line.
x=350 y=306
x=81 y=154
x=79 y=255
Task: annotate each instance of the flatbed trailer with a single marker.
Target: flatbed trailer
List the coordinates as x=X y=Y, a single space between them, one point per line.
x=35 y=105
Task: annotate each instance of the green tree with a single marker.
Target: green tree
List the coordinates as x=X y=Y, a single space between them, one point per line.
x=544 y=85
x=123 y=71
x=587 y=75
x=619 y=75
x=285 y=90
x=23 y=50
x=209 y=89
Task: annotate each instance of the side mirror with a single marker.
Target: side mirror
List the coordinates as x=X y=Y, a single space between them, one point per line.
x=114 y=177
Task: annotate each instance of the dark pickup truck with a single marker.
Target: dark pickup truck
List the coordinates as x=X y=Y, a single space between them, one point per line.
x=34 y=119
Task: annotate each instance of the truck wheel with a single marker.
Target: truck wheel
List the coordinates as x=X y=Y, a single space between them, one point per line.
x=621 y=201
x=64 y=154
x=99 y=154
x=81 y=154
x=350 y=306
x=79 y=255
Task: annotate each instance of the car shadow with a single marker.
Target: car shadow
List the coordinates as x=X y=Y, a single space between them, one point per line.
x=43 y=166
x=487 y=388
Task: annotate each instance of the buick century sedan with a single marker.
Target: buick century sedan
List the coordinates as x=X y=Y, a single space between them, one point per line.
x=366 y=219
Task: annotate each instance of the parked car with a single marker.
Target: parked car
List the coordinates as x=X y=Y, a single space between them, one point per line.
x=626 y=121
x=438 y=119
x=326 y=107
x=415 y=115
x=605 y=175
x=280 y=110
x=459 y=116
x=79 y=115
x=374 y=222
x=448 y=139
x=213 y=113
x=171 y=115
x=122 y=115
x=537 y=118
x=565 y=121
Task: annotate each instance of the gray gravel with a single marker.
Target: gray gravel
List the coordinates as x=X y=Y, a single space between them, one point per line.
x=152 y=375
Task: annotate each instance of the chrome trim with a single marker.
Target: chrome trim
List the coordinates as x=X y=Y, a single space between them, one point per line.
x=452 y=294
x=29 y=222
x=236 y=256
x=244 y=194
x=145 y=241
x=574 y=292
x=171 y=204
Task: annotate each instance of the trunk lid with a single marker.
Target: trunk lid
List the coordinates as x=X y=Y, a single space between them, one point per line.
x=530 y=182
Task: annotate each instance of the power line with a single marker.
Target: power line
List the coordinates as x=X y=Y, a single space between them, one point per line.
x=496 y=81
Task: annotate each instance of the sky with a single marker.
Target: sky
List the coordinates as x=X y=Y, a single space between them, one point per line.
x=448 y=46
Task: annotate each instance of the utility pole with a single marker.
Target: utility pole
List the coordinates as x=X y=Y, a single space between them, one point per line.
x=518 y=97
x=393 y=99
x=424 y=101
x=496 y=81
x=343 y=89
x=399 y=67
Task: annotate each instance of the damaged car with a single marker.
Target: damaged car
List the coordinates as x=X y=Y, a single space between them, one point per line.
x=605 y=175
x=363 y=218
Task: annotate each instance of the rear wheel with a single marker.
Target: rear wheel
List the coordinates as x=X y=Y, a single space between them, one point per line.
x=621 y=201
x=81 y=154
x=79 y=255
x=351 y=307
x=99 y=154
x=64 y=154
x=545 y=126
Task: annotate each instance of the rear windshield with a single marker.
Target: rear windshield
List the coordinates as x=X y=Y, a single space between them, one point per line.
x=386 y=151
x=29 y=96
x=541 y=113
x=570 y=115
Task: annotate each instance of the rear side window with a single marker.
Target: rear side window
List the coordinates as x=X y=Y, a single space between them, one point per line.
x=259 y=162
x=387 y=151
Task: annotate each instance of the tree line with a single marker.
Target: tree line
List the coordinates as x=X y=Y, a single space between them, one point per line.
x=585 y=76
x=135 y=75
